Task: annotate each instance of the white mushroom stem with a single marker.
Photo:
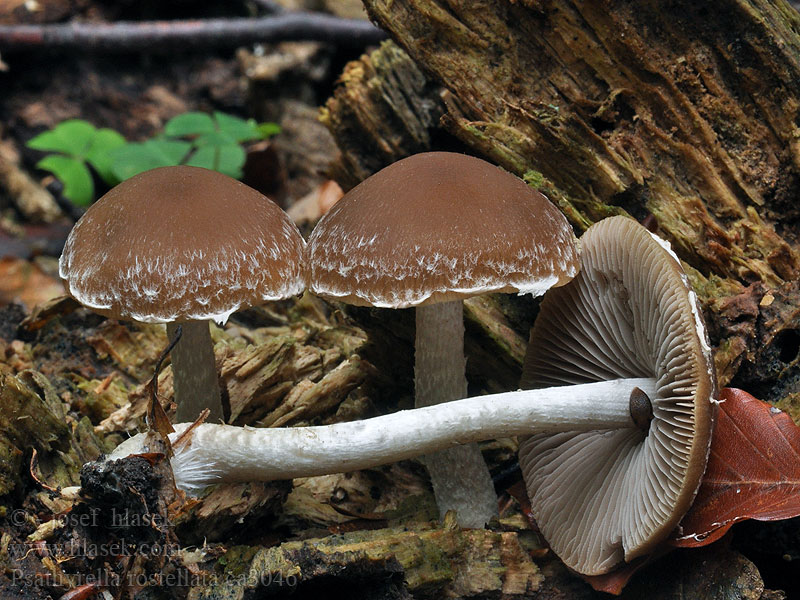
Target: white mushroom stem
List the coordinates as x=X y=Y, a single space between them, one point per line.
x=226 y=453
x=459 y=475
x=194 y=372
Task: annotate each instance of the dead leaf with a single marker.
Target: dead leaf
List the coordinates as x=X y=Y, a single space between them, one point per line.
x=25 y=282
x=753 y=471
x=311 y=207
x=42 y=313
x=615 y=581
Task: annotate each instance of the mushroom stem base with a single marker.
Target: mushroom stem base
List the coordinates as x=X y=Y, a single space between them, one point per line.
x=217 y=453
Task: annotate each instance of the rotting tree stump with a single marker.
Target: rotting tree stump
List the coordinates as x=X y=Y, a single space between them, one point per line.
x=679 y=112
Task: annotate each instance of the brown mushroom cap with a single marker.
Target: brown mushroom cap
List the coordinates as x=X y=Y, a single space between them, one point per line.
x=182 y=243
x=606 y=496
x=439 y=226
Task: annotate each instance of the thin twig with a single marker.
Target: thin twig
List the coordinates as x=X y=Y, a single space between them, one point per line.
x=162 y=357
x=156 y=416
x=159 y=35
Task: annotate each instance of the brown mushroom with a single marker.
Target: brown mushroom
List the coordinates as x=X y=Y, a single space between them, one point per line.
x=621 y=440
x=429 y=231
x=183 y=245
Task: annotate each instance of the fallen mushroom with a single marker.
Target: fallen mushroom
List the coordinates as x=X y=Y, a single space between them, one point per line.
x=605 y=496
x=622 y=439
x=183 y=245
x=429 y=231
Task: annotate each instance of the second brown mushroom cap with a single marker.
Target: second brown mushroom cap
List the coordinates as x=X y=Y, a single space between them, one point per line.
x=439 y=226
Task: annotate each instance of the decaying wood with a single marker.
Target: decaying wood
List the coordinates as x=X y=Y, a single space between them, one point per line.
x=34 y=418
x=297 y=374
x=686 y=115
x=229 y=510
x=397 y=563
x=385 y=110
x=31 y=199
x=282 y=379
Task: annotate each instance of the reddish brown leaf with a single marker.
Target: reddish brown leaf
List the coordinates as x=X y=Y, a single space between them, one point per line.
x=615 y=581
x=24 y=281
x=753 y=471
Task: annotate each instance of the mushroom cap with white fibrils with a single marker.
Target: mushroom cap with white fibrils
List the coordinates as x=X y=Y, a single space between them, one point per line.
x=439 y=226
x=182 y=243
x=606 y=496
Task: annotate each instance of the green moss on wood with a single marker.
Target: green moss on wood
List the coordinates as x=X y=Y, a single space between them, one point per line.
x=431 y=561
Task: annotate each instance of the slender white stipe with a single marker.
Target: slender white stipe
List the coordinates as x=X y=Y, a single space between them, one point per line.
x=227 y=453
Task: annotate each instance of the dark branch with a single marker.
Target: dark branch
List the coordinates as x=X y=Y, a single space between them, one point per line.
x=159 y=35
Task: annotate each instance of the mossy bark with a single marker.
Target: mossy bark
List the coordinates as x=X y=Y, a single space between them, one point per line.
x=396 y=563
x=683 y=114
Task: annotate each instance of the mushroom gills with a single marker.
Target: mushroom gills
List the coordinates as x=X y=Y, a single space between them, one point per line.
x=630 y=311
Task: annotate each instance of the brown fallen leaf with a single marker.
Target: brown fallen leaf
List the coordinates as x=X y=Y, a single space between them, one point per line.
x=753 y=471
x=311 y=207
x=615 y=581
x=42 y=313
x=25 y=282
